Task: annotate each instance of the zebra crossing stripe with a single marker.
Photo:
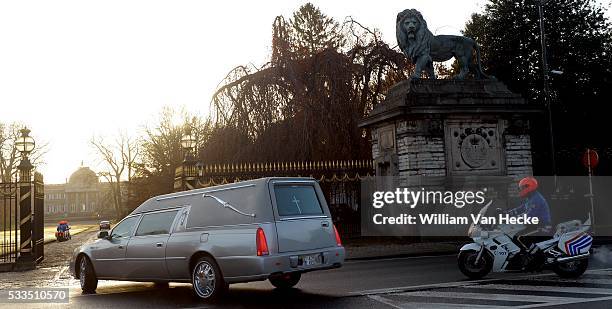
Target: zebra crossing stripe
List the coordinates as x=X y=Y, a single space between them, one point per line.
x=545 y=288
x=566 y=303
x=587 y=280
x=489 y=296
x=431 y=305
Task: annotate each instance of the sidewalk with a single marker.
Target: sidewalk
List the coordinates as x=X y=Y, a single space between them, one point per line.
x=364 y=251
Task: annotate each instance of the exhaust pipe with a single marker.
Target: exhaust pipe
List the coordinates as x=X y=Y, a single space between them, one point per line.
x=573 y=258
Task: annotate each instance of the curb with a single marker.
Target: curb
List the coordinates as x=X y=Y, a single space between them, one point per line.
x=402 y=255
x=48 y=241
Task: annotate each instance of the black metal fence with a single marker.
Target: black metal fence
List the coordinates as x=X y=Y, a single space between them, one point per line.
x=339 y=180
x=9 y=202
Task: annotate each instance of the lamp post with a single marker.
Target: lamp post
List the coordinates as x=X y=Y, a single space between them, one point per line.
x=190 y=168
x=546 y=73
x=188 y=142
x=25 y=144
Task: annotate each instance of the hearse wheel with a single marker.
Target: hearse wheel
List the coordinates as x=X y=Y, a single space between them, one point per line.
x=207 y=280
x=87 y=276
x=286 y=281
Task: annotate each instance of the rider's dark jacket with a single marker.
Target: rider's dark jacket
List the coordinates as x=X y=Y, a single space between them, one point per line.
x=534 y=205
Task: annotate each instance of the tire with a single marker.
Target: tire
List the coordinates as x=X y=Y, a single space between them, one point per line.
x=571 y=270
x=207 y=280
x=87 y=276
x=466 y=264
x=286 y=281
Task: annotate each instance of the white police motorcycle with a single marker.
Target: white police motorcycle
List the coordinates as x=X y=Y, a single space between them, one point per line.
x=497 y=249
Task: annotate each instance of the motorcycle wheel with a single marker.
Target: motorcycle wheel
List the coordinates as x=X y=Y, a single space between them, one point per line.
x=573 y=269
x=468 y=267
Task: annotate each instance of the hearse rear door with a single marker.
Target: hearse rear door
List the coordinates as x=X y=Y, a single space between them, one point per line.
x=303 y=221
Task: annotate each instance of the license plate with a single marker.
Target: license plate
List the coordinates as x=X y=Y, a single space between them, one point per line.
x=310 y=260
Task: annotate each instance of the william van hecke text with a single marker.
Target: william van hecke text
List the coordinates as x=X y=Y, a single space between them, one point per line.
x=446 y=219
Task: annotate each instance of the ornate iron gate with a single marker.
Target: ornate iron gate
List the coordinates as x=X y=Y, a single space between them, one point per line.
x=38 y=218
x=22 y=211
x=10 y=222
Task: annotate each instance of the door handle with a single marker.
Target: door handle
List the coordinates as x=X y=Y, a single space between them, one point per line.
x=324 y=223
x=159 y=244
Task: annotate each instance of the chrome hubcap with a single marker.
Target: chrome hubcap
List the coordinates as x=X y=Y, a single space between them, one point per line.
x=204 y=279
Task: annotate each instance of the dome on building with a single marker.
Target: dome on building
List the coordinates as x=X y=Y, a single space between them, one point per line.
x=83 y=177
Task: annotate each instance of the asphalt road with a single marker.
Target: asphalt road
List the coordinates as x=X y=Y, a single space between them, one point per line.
x=418 y=282
x=425 y=282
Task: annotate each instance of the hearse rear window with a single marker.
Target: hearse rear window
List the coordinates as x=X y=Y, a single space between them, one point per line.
x=293 y=200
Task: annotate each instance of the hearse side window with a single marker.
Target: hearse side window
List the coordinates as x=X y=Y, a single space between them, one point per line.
x=125 y=228
x=293 y=200
x=156 y=223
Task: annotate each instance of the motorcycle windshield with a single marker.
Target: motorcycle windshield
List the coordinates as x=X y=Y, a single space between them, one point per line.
x=482 y=212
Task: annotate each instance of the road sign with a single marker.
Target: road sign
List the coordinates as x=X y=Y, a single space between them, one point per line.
x=590 y=159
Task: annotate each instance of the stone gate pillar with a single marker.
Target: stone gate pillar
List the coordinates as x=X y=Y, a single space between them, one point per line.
x=452 y=128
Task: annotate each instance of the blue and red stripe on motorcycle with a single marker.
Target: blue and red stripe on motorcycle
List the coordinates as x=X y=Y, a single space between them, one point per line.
x=575 y=245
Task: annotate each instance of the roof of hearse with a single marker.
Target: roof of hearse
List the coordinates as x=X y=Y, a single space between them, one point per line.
x=158 y=202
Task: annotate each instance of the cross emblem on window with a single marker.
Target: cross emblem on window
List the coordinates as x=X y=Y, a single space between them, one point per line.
x=297 y=203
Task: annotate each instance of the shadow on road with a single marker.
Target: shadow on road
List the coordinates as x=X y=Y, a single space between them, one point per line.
x=148 y=295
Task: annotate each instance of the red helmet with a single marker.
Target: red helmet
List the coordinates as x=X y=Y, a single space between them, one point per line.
x=527 y=185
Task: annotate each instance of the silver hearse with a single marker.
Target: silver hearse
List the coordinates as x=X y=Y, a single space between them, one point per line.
x=268 y=228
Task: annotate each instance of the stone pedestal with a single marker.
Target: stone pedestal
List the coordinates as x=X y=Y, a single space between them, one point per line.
x=452 y=128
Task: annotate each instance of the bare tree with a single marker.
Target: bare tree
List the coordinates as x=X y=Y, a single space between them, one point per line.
x=120 y=157
x=9 y=155
x=162 y=152
x=323 y=77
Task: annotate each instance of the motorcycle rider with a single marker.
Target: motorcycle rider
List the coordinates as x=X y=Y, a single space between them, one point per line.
x=534 y=205
x=63 y=227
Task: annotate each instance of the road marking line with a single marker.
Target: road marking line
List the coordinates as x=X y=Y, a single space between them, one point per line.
x=432 y=305
x=459 y=283
x=490 y=296
x=562 y=289
x=587 y=280
x=57 y=276
x=422 y=287
x=385 y=301
x=566 y=303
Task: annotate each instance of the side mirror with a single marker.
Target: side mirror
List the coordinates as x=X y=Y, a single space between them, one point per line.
x=103 y=234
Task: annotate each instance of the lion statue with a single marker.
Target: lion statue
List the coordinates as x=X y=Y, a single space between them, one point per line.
x=423 y=48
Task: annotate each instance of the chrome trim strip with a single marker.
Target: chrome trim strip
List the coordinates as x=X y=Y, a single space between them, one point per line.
x=227 y=205
x=203 y=191
x=294 y=181
x=227 y=225
x=176 y=258
x=304 y=217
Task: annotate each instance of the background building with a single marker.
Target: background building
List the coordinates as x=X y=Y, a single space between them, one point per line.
x=82 y=196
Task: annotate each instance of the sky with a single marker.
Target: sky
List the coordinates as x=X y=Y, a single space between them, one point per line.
x=71 y=70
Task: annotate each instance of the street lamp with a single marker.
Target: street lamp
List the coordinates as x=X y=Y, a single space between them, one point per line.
x=25 y=144
x=546 y=72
